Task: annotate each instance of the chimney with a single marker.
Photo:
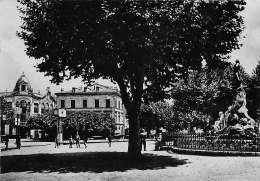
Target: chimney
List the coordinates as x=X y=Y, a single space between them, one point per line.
x=73 y=89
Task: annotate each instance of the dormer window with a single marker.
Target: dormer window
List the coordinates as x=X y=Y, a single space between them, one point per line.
x=23 y=88
x=97 y=89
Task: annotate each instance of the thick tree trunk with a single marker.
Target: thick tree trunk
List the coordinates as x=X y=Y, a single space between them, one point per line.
x=132 y=104
x=134 y=150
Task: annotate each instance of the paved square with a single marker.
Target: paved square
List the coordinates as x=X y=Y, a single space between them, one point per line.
x=41 y=161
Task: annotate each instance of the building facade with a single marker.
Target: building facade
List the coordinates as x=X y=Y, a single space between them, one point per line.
x=97 y=98
x=29 y=104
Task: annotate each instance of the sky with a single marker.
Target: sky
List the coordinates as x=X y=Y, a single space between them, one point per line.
x=14 y=61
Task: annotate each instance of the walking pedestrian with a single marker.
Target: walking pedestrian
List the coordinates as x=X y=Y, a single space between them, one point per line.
x=70 y=141
x=85 y=140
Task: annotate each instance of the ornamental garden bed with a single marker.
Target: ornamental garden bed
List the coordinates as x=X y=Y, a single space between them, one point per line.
x=211 y=145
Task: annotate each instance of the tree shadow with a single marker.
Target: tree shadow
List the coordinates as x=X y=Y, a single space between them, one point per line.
x=35 y=145
x=86 y=162
x=7 y=149
x=14 y=148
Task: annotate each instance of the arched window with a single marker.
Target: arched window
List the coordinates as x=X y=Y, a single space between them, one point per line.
x=28 y=106
x=23 y=104
x=23 y=88
x=42 y=108
x=47 y=107
x=36 y=108
x=17 y=104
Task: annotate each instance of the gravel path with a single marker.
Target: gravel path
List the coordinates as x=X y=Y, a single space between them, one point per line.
x=41 y=161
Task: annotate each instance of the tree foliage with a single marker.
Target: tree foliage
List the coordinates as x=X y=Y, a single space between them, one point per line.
x=45 y=121
x=254 y=93
x=207 y=91
x=155 y=115
x=6 y=109
x=88 y=122
x=74 y=122
x=255 y=78
x=141 y=45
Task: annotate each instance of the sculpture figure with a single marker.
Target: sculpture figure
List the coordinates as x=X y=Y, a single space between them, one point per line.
x=237 y=78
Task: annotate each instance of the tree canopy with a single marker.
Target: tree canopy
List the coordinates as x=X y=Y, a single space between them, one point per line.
x=142 y=45
x=86 y=122
x=79 y=121
x=208 y=90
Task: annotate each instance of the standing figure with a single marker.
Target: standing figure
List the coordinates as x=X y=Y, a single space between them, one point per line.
x=70 y=141
x=109 y=139
x=18 y=142
x=158 y=143
x=56 y=142
x=6 y=142
x=143 y=139
x=77 y=141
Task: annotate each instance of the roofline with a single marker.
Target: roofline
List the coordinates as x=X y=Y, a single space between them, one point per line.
x=87 y=93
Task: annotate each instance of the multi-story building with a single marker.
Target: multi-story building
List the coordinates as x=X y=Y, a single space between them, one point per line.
x=30 y=104
x=97 y=98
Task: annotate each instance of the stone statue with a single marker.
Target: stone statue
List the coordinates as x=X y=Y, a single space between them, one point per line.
x=236 y=120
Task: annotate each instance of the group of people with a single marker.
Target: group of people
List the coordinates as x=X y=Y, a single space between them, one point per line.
x=76 y=140
x=153 y=135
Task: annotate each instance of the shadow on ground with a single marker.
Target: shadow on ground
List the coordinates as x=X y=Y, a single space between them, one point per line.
x=85 y=162
x=13 y=148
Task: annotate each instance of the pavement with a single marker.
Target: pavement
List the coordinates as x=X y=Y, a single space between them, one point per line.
x=41 y=161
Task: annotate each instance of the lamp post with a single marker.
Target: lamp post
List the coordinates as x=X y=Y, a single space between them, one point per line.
x=3 y=116
x=60 y=113
x=18 y=112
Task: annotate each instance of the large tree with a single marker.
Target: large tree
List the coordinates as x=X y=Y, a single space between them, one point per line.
x=141 y=45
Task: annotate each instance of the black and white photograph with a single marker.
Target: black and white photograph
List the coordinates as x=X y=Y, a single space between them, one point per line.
x=130 y=90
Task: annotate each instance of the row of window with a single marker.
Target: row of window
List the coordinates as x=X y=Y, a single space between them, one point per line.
x=84 y=103
x=43 y=108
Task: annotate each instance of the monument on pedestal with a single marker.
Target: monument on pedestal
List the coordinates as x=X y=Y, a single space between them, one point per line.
x=236 y=121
